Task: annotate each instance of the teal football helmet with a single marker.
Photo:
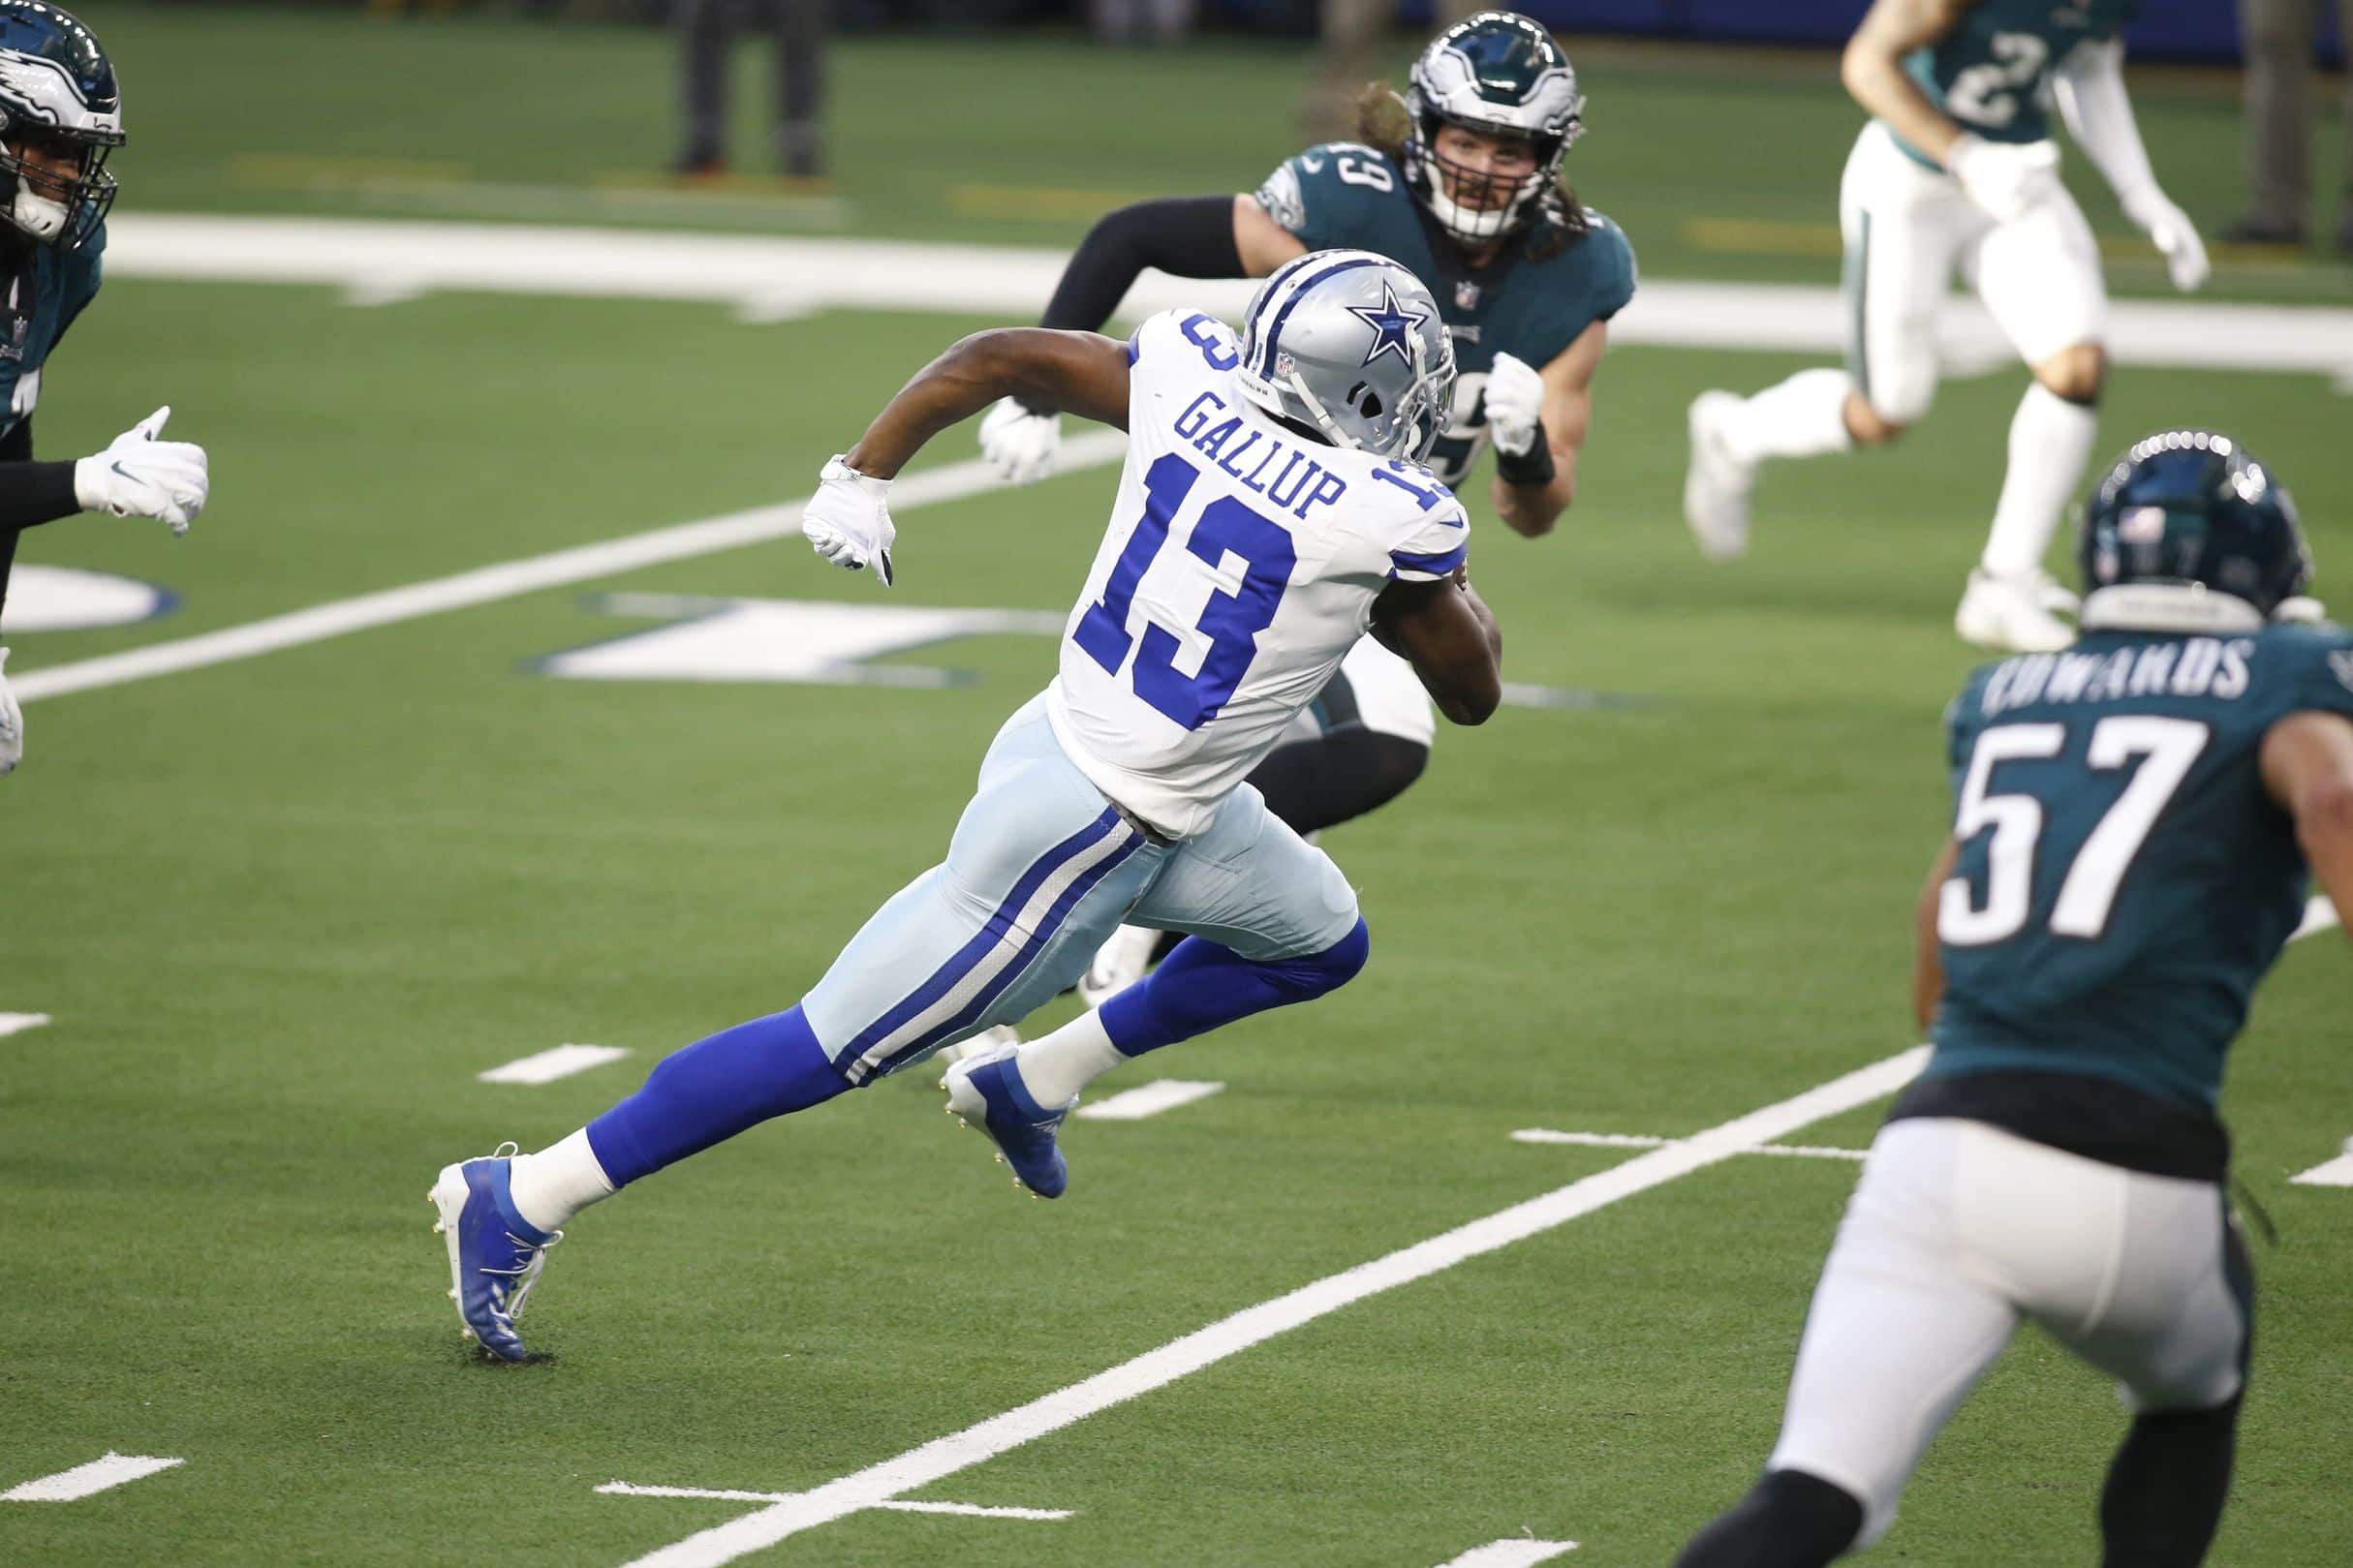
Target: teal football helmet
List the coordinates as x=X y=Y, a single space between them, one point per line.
x=58 y=95
x=1501 y=75
x=2190 y=514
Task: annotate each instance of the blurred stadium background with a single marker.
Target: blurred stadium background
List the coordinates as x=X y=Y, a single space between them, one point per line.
x=278 y=913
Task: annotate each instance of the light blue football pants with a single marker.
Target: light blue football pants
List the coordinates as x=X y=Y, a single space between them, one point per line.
x=1042 y=869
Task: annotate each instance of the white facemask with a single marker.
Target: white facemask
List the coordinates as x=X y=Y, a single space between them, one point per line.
x=36 y=214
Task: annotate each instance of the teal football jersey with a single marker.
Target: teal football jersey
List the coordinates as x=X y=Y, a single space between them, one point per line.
x=1342 y=194
x=2125 y=877
x=45 y=289
x=1991 y=72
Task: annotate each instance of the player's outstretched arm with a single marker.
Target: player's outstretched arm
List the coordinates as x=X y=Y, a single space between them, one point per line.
x=1927 y=959
x=1451 y=637
x=2307 y=765
x=2098 y=111
x=1540 y=419
x=1079 y=371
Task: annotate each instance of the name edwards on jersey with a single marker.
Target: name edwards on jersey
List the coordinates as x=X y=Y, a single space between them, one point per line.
x=2192 y=667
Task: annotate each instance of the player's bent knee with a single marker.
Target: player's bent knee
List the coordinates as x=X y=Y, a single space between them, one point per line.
x=1873 y=424
x=2076 y=373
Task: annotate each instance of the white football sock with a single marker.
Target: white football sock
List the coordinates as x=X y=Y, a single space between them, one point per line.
x=1057 y=1067
x=2050 y=442
x=557 y=1182
x=1802 y=417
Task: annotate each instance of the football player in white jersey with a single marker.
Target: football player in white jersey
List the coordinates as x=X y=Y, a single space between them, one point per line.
x=1273 y=509
x=1957 y=170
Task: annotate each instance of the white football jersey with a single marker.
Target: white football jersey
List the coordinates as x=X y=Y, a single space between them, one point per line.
x=1239 y=568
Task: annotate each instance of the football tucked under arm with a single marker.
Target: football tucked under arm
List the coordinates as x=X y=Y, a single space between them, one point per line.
x=1449 y=635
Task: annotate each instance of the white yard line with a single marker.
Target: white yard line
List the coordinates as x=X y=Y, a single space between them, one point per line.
x=770 y=278
x=2319 y=915
x=486 y=585
x=18 y=1023
x=2338 y=1172
x=1518 y=1551
x=1633 y=1140
x=977 y=1444
x=900 y=1505
x=556 y=1062
x=112 y=1469
x=1147 y=1100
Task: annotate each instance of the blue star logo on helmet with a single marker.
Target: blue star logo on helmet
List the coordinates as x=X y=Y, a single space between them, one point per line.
x=1391 y=324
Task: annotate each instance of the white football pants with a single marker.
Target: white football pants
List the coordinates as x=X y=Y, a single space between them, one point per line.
x=1908 y=229
x=1957 y=1231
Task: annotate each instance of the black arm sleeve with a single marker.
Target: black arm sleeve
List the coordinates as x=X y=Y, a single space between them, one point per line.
x=1188 y=236
x=30 y=493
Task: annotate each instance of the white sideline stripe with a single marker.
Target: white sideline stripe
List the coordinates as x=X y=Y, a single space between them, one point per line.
x=18 y=1023
x=112 y=1469
x=484 y=585
x=1519 y=1551
x=944 y=1457
x=2338 y=1172
x=2319 y=915
x=1147 y=1100
x=766 y=277
x=556 y=1062
x=623 y=1488
x=1633 y=1140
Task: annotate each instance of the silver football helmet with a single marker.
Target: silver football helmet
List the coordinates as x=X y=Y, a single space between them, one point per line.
x=1349 y=344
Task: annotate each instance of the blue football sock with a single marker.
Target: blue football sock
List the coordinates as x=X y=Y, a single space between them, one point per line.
x=712 y=1090
x=1203 y=986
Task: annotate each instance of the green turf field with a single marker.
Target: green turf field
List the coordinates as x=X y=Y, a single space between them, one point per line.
x=282 y=911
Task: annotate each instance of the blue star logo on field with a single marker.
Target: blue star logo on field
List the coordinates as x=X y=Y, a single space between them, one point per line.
x=1391 y=324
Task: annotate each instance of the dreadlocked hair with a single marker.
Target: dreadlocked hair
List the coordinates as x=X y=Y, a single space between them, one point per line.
x=1382 y=125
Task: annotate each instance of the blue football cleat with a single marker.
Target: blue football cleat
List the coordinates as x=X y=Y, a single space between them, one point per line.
x=987 y=1093
x=495 y=1258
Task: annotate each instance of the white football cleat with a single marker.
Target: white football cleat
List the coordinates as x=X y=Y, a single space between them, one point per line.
x=2014 y=614
x=1118 y=964
x=993 y=1038
x=1715 y=485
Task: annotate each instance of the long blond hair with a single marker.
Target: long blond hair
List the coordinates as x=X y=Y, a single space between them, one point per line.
x=1382 y=124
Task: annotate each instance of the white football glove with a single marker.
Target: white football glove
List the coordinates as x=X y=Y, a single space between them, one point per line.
x=1515 y=403
x=138 y=476
x=11 y=722
x=2175 y=236
x=2008 y=179
x=847 y=521
x=1020 y=445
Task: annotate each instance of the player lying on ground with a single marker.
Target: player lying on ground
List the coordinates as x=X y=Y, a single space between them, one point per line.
x=1464 y=188
x=2138 y=821
x=1272 y=508
x=1957 y=170
x=60 y=115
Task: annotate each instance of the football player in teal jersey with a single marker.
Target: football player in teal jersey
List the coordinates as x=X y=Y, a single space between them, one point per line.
x=1958 y=171
x=60 y=117
x=1466 y=190
x=2137 y=821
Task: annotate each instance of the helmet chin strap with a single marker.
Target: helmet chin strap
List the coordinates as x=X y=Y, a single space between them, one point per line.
x=1323 y=420
x=40 y=216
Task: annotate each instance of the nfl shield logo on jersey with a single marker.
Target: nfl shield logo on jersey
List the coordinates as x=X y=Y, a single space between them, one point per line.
x=1466 y=296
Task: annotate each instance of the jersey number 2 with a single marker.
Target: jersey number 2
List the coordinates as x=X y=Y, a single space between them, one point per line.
x=2170 y=747
x=1988 y=94
x=1227 y=531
